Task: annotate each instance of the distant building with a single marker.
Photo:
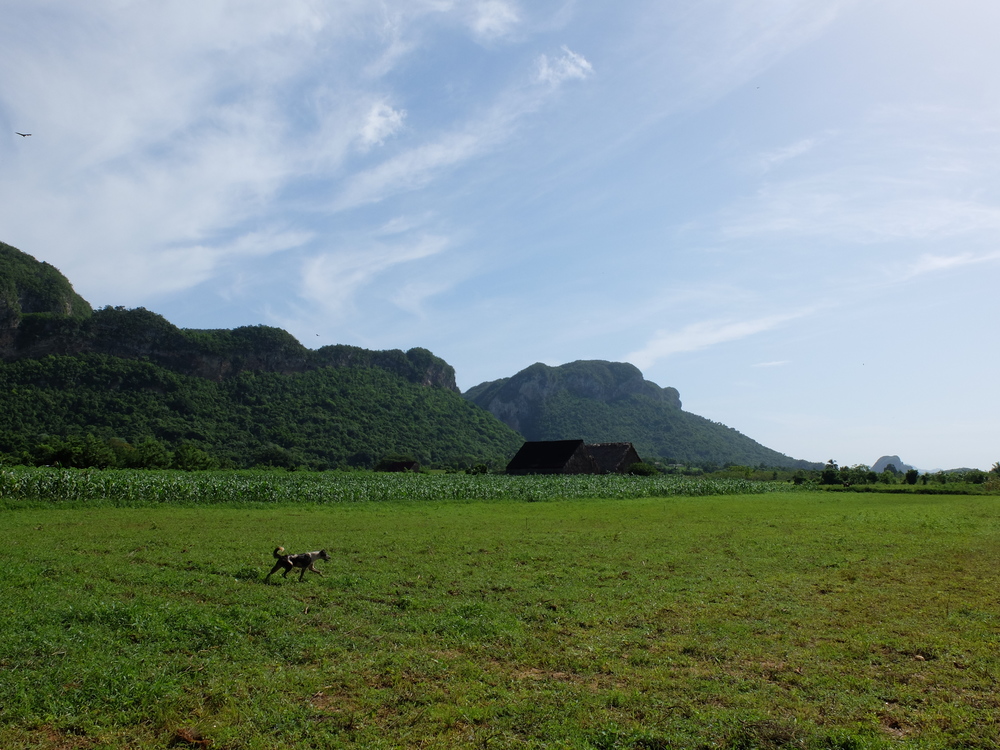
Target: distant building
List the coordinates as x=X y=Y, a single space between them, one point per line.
x=614 y=458
x=553 y=457
x=573 y=457
x=398 y=466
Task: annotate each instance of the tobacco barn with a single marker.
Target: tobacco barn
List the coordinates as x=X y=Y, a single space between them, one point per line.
x=614 y=458
x=573 y=457
x=553 y=457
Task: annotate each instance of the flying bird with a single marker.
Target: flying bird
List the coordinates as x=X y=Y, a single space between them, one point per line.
x=23 y=135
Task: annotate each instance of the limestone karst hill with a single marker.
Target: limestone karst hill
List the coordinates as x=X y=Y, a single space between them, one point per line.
x=600 y=401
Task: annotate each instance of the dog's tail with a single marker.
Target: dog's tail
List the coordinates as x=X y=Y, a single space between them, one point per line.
x=277 y=550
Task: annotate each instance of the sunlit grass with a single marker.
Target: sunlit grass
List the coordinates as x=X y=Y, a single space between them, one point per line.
x=782 y=620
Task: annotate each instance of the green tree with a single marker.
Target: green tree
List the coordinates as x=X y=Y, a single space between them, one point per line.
x=975 y=476
x=276 y=456
x=643 y=469
x=830 y=474
x=191 y=458
x=151 y=454
x=97 y=454
x=911 y=476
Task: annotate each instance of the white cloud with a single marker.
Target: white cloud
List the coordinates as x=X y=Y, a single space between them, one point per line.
x=416 y=167
x=929 y=263
x=702 y=335
x=159 y=128
x=567 y=66
x=494 y=19
x=775 y=157
x=412 y=295
x=382 y=122
x=859 y=209
x=189 y=125
x=332 y=280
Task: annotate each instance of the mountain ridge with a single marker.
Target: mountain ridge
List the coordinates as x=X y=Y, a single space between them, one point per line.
x=43 y=320
x=601 y=401
x=254 y=395
x=44 y=329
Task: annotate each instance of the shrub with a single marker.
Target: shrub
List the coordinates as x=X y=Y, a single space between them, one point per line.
x=642 y=469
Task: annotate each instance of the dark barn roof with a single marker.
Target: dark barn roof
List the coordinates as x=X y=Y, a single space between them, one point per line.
x=614 y=458
x=553 y=457
x=398 y=466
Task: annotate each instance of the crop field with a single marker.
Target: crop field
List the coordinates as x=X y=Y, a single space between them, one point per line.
x=818 y=620
x=142 y=488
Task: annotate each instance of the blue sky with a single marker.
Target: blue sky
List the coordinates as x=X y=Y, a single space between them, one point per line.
x=788 y=211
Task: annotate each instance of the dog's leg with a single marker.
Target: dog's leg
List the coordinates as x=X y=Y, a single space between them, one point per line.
x=277 y=565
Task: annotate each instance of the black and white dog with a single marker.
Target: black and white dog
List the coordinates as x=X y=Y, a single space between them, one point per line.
x=304 y=560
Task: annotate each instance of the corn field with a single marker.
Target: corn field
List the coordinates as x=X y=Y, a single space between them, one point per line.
x=130 y=488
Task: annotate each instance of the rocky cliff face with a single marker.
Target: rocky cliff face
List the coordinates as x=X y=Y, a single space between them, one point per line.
x=40 y=314
x=520 y=400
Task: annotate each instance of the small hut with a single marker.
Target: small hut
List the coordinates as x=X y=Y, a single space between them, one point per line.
x=553 y=457
x=614 y=458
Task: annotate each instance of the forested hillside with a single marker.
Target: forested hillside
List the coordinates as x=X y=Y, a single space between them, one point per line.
x=125 y=387
x=324 y=418
x=601 y=401
x=117 y=386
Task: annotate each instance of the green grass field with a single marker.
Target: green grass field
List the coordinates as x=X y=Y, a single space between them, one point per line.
x=792 y=620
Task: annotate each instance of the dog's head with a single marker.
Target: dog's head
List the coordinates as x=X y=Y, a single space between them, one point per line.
x=323 y=555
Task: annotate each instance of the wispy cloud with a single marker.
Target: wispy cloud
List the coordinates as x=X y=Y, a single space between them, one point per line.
x=712 y=48
x=568 y=66
x=416 y=167
x=492 y=19
x=858 y=209
x=703 y=335
x=164 y=135
x=332 y=280
x=929 y=263
x=770 y=159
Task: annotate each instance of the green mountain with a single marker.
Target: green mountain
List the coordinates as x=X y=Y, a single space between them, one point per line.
x=70 y=376
x=611 y=402
x=86 y=387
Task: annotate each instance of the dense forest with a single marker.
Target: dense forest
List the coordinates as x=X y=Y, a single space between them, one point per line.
x=95 y=409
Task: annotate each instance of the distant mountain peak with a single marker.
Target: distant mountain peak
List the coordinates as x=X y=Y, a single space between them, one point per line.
x=600 y=401
x=879 y=466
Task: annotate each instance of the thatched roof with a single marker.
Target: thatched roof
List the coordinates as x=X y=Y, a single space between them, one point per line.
x=614 y=458
x=553 y=457
x=398 y=466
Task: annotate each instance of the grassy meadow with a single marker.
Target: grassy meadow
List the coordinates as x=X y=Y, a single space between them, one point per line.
x=782 y=620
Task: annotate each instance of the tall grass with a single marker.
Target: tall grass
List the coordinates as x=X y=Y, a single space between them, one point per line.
x=125 y=488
